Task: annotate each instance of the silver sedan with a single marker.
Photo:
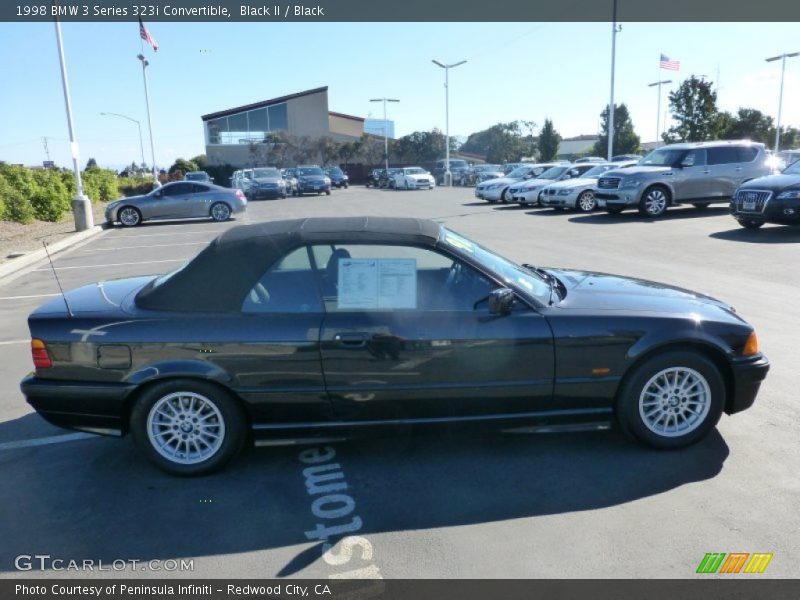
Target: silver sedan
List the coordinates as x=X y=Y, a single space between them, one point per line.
x=178 y=200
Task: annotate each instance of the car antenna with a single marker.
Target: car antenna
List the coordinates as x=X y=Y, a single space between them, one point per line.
x=52 y=266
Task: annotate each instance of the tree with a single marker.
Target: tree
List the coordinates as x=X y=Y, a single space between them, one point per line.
x=91 y=164
x=694 y=107
x=201 y=160
x=181 y=164
x=349 y=150
x=503 y=142
x=302 y=149
x=549 y=139
x=327 y=149
x=749 y=123
x=625 y=139
x=278 y=144
x=420 y=146
x=371 y=149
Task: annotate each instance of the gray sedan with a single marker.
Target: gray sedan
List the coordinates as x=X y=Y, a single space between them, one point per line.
x=178 y=200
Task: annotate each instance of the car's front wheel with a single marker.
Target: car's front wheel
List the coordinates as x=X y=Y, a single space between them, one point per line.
x=672 y=399
x=748 y=224
x=129 y=216
x=188 y=427
x=220 y=211
x=654 y=202
x=586 y=202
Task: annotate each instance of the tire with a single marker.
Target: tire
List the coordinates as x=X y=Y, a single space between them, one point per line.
x=328 y=193
x=701 y=205
x=208 y=409
x=691 y=404
x=654 y=202
x=346 y=185
x=752 y=225
x=220 y=212
x=586 y=202
x=614 y=210
x=503 y=198
x=129 y=216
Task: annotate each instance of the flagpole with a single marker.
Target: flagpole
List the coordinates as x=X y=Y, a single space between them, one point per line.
x=141 y=57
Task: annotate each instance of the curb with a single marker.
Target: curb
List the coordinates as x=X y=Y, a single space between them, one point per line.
x=17 y=264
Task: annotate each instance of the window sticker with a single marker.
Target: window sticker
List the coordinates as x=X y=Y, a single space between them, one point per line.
x=371 y=283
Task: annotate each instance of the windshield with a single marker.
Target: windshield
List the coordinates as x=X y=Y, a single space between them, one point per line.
x=310 y=171
x=553 y=173
x=335 y=171
x=260 y=173
x=488 y=168
x=458 y=164
x=415 y=171
x=662 y=158
x=793 y=169
x=509 y=271
x=196 y=176
x=595 y=172
x=520 y=172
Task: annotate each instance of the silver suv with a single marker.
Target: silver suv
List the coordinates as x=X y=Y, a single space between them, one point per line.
x=696 y=173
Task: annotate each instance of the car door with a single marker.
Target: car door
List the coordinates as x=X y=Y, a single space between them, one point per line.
x=198 y=202
x=170 y=203
x=407 y=334
x=691 y=178
x=724 y=171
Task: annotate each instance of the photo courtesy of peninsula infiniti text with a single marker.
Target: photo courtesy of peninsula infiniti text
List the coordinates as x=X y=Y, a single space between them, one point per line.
x=334 y=327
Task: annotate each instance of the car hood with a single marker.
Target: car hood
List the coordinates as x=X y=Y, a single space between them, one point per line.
x=502 y=180
x=604 y=292
x=268 y=179
x=117 y=202
x=629 y=171
x=574 y=183
x=419 y=175
x=773 y=182
x=536 y=183
x=104 y=297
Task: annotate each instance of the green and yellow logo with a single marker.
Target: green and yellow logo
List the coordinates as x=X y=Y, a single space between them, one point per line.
x=735 y=562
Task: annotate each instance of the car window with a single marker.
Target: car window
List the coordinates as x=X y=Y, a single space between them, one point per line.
x=746 y=154
x=199 y=189
x=289 y=286
x=723 y=155
x=694 y=158
x=176 y=189
x=367 y=277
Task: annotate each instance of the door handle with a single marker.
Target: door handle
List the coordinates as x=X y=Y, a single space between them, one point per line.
x=352 y=340
x=706 y=172
x=738 y=169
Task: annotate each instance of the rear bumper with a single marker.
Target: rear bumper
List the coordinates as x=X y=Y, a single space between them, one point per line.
x=747 y=377
x=93 y=407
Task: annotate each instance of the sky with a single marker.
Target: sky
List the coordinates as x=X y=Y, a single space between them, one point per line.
x=527 y=71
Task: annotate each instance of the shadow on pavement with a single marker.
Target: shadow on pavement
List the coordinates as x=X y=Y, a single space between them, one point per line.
x=629 y=216
x=780 y=234
x=99 y=499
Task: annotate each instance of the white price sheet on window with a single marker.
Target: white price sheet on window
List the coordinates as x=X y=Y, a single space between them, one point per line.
x=377 y=283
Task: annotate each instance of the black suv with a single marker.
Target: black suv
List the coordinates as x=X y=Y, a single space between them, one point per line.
x=770 y=199
x=459 y=169
x=339 y=178
x=373 y=177
x=311 y=179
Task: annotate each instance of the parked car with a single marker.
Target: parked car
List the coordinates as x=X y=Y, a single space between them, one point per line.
x=267 y=182
x=529 y=192
x=386 y=178
x=373 y=178
x=177 y=200
x=198 y=176
x=480 y=173
x=787 y=157
x=578 y=192
x=626 y=158
x=589 y=159
x=770 y=199
x=413 y=178
x=311 y=179
x=493 y=190
x=290 y=179
x=698 y=173
x=338 y=178
x=196 y=363
x=458 y=170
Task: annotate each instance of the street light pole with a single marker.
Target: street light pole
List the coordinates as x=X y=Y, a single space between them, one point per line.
x=614 y=31
x=658 y=109
x=141 y=57
x=782 y=58
x=385 y=130
x=448 y=176
x=81 y=205
x=138 y=124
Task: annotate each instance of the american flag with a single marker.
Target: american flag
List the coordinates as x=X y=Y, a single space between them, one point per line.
x=670 y=65
x=146 y=35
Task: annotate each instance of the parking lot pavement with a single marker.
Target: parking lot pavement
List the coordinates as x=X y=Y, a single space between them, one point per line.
x=436 y=505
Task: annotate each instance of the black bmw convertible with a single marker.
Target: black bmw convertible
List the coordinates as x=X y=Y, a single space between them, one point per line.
x=323 y=328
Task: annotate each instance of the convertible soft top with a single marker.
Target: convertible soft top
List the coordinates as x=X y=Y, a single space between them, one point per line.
x=220 y=276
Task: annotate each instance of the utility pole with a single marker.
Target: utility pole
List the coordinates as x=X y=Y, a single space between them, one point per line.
x=385 y=130
x=448 y=176
x=782 y=58
x=614 y=31
x=658 y=109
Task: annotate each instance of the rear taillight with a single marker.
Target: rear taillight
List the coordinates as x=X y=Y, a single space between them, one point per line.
x=41 y=359
x=240 y=194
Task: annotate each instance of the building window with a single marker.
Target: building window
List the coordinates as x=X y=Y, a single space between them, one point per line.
x=249 y=126
x=278 y=118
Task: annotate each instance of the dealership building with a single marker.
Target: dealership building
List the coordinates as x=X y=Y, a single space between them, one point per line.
x=230 y=134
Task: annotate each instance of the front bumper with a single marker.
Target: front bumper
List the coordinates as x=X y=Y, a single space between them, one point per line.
x=558 y=201
x=490 y=194
x=783 y=212
x=257 y=193
x=748 y=373
x=624 y=197
x=313 y=188
x=86 y=406
x=527 y=197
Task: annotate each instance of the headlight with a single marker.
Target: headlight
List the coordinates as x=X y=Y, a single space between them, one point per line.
x=494 y=186
x=630 y=184
x=789 y=195
x=565 y=192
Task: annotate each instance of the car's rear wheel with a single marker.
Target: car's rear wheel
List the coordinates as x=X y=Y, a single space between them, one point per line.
x=129 y=216
x=748 y=224
x=188 y=427
x=586 y=202
x=654 y=202
x=672 y=399
x=220 y=211
x=503 y=197
x=327 y=192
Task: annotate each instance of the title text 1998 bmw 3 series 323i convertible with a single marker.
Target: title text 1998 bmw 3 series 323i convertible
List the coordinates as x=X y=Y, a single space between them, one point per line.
x=323 y=328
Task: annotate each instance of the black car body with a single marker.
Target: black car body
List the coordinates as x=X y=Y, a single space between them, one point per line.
x=311 y=180
x=770 y=199
x=266 y=183
x=386 y=178
x=373 y=178
x=459 y=170
x=332 y=327
x=338 y=178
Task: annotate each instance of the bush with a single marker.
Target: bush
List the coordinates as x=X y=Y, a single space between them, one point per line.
x=14 y=206
x=134 y=186
x=100 y=184
x=50 y=199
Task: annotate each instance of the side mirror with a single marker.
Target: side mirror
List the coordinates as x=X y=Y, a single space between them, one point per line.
x=501 y=301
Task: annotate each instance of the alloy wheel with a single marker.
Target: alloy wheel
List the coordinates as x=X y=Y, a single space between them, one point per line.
x=129 y=216
x=655 y=202
x=586 y=201
x=220 y=212
x=185 y=428
x=675 y=402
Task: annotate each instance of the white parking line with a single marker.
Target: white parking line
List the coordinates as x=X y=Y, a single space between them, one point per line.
x=26 y=297
x=138 y=235
x=144 y=262
x=106 y=249
x=55 y=439
x=9 y=342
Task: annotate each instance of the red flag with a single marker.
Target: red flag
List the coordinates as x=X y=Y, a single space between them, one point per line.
x=146 y=35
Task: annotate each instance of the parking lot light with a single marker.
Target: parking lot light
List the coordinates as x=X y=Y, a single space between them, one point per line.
x=658 y=109
x=782 y=58
x=138 y=124
x=385 y=130
x=448 y=176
